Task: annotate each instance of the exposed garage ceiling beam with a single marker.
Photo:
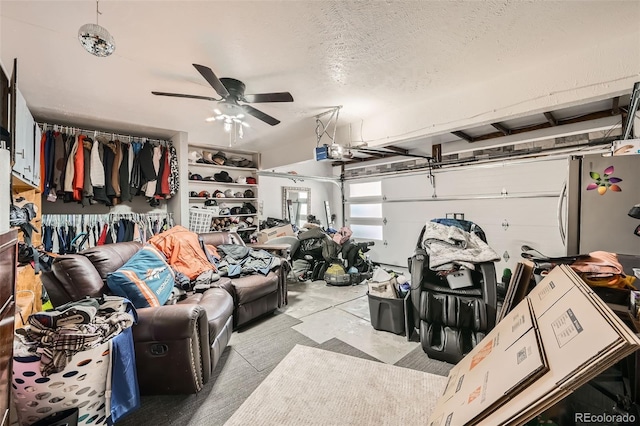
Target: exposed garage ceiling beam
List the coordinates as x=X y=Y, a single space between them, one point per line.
x=615 y=105
x=559 y=122
x=550 y=118
x=463 y=135
x=505 y=131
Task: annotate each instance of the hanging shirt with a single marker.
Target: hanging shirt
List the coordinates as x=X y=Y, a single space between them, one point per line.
x=151 y=185
x=78 y=178
x=70 y=168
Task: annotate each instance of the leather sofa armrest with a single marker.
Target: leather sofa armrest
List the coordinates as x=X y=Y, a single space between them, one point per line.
x=168 y=322
x=157 y=337
x=225 y=283
x=416 y=264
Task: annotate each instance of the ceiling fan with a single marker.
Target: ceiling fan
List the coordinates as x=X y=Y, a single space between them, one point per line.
x=232 y=93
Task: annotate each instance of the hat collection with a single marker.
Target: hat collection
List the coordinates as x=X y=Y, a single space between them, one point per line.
x=233 y=207
x=219 y=158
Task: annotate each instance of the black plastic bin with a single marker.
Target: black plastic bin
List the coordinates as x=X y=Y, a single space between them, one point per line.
x=388 y=314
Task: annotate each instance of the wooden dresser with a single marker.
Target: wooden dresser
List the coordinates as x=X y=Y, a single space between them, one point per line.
x=8 y=253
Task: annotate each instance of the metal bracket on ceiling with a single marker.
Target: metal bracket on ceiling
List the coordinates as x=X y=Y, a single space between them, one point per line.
x=328 y=126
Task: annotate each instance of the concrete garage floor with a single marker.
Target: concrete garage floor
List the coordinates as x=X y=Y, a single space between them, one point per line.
x=329 y=312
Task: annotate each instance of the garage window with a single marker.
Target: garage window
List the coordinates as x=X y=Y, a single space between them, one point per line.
x=365 y=189
x=365 y=210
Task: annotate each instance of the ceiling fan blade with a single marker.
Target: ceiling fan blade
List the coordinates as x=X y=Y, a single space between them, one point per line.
x=260 y=115
x=211 y=78
x=180 y=95
x=269 y=97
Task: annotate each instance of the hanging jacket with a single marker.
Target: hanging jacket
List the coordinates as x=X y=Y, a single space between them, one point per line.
x=87 y=189
x=174 y=176
x=61 y=163
x=146 y=163
x=123 y=174
x=60 y=152
x=151 y=185
x=78 y=177
x=109 y=156
x=97 y=169
x=69 y=172
x=47 y=172
x=164 y=176
x=115 y=171
x=43 y=161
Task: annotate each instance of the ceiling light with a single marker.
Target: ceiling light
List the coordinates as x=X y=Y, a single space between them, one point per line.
x=217 y=111
x=96 y=39
x=210 y=119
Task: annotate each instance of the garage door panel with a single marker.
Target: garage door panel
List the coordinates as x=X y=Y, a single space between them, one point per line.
x=530 y=221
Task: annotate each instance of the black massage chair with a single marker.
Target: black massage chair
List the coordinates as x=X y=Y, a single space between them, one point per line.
x=451 y=321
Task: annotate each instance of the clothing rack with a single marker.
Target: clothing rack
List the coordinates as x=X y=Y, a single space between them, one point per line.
x=70 y=233
x=95 y=133
x=93 y=218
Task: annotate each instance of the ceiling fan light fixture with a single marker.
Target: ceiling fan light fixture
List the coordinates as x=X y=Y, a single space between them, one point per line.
x=217 y=111
x=210 y=119
x=96 y=39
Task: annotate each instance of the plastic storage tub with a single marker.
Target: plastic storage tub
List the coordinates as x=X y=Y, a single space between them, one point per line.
x=388 y=314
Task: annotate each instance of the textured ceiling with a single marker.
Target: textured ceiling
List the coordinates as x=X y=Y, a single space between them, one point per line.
x=369 y=57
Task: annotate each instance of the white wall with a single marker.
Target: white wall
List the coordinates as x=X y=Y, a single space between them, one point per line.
x=270 y=192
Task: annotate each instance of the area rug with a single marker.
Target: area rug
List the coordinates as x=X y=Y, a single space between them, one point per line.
x=312 y=386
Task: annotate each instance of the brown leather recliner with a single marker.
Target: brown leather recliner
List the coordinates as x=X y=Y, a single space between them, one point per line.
x=177 y=346
x=253 y=295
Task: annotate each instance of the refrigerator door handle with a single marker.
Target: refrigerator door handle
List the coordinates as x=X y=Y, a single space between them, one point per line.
x=563 y=196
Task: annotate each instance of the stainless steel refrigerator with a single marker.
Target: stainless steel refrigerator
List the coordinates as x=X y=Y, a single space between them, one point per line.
x=600 y=193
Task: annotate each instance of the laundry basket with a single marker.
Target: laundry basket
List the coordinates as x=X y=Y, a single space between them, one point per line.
x=200 y=220
x=82 y=384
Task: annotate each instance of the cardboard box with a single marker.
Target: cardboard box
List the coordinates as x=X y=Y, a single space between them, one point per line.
x=477 y=386
x=580 y=337
x=271 y=233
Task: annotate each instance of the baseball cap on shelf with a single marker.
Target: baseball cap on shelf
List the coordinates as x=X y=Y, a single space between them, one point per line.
x=249 y=220
x=228 y=193
x=249 y=194
x=218 y=194
x=195 y=176
x=204 y=194
x=241 y=180
x=251 y=180
x=193 y=194
x=225 y=211
x=238 y=195
x=235 y=210
x=211 y=202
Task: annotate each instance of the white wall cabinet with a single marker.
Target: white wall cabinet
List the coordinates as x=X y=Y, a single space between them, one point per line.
x=25 y=147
